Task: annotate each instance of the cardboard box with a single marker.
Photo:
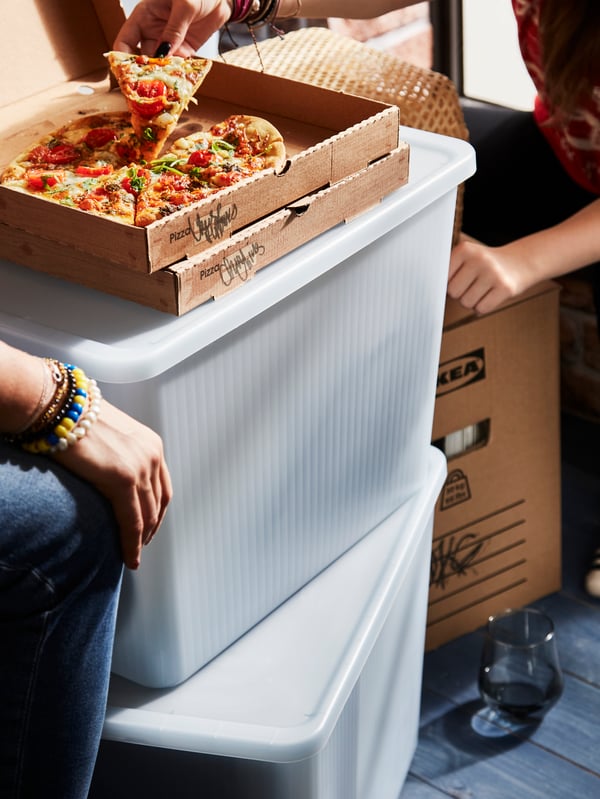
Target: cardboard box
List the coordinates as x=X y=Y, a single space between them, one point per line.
x=497 y=526
x=192 y=281
x=329 y=135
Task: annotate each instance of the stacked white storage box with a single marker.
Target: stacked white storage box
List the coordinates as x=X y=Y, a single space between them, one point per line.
x=318 y=701
x=296 y=411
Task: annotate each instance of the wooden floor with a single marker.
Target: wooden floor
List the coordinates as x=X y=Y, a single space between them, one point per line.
x=561 y=758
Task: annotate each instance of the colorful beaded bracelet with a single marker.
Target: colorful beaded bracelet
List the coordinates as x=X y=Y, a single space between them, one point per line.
x=79 y=415
x=55 y=409
x=68 y=415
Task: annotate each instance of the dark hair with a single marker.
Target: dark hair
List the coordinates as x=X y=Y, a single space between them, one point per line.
x=570 y=41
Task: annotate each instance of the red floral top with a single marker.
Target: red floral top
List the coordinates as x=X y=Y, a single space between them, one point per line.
x=574 y=139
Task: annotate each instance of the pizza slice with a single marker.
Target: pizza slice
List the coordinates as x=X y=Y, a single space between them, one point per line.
x=115 y=195
x=82 y=165
x=105 y=194
x=237 y=148
x=168 y=189
x=206 y=162
x=87 y=146
x=157 y=91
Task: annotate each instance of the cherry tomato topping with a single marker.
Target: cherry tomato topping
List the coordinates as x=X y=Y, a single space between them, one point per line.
x=41 y=182
x=229 y=178
x=134 y=182
x=39 y=154
x=57 y=154
x=150 y=88
x=62 y=154
x=174 y=183
x=200 y=158
x=99 y=137
x=126 y=151
x=153 y=96
x=94 y=171
x=149 y=108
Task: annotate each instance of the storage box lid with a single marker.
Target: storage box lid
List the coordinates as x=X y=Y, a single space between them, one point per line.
x=117 y=341
x=277 y=693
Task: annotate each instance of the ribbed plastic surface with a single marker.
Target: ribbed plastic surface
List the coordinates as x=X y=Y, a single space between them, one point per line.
x=296 y=411
x=321 y=699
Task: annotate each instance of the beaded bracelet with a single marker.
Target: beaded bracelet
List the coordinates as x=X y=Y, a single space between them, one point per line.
x=67 y=415
x=256 y=13
x=73 y=424
x=55 y=407
x=63 y=382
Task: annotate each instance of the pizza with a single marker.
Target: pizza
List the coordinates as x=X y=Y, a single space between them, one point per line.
x=231 y=150
x=205 y=162
x=90 y=145
x=94 y=163
x=100 y=163
x=81 y=165
x=157 y=91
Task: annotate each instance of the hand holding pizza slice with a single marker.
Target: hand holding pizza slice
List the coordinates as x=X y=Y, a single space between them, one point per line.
x=157 y=91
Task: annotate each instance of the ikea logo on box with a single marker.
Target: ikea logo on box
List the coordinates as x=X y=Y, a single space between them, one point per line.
x=461 y=372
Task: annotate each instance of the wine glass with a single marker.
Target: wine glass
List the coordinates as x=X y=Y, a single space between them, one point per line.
x=520 y=677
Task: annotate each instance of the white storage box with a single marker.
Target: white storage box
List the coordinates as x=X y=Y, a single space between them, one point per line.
x=296 y=411
x=319 y=701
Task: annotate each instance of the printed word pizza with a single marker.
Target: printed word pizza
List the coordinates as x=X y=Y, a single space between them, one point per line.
x=112 y=163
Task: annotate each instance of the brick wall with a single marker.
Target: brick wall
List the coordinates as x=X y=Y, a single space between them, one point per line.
x=407 y=34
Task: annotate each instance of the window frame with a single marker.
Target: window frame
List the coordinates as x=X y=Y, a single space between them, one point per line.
x=447 y=24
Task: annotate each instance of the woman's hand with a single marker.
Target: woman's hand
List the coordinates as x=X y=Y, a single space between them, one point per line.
x=184 y=24
x=124 y=460
x=481 y=278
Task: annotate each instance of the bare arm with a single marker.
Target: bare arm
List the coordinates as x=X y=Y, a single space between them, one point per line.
x=483 y=277
x=347 y=9
x=187 y=24
x=21 y=388
x=122 y=458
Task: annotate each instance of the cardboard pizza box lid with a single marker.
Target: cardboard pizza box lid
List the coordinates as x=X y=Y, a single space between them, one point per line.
x=55 y=41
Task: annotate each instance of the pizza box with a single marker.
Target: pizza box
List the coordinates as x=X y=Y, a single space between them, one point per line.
x=329 y=135
x=213 y=272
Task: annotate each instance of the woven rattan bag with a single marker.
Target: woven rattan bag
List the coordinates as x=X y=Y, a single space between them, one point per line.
x=427 y=99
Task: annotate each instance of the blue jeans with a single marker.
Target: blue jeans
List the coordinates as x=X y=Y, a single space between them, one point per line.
x=60 y=575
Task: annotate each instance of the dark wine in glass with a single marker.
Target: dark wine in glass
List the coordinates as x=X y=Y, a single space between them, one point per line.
x=520 y=676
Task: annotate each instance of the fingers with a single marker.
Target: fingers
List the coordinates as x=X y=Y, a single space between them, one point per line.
x=155 y=500
x=476 y=278
x=129 y=516
x=174 y=33
x=139 y=509
x=129 y=36
x=179 y=27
